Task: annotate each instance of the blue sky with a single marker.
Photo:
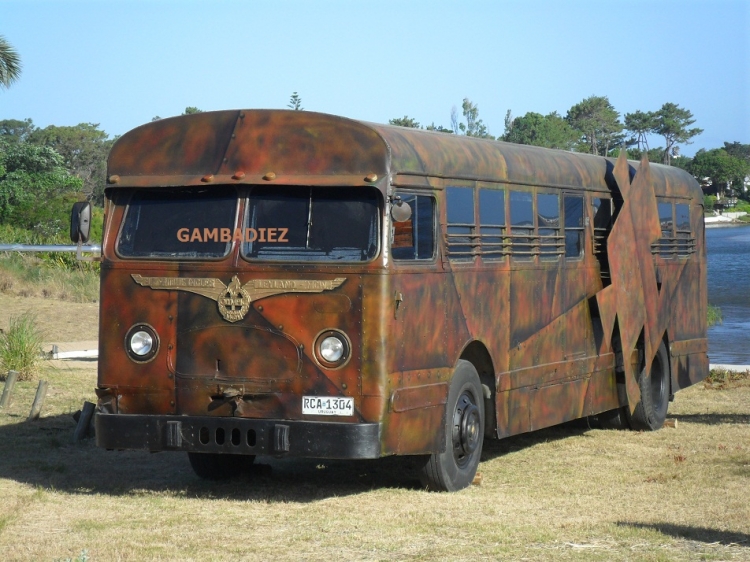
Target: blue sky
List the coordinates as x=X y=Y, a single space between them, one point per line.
x=120 y=63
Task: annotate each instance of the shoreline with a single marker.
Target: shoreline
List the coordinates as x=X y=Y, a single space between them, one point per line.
x=726 y=219
x=724 y=223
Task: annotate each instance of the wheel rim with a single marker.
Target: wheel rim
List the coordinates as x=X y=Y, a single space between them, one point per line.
x=466 y=428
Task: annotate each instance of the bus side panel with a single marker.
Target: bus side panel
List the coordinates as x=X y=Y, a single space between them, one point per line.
x=426 y=321
x=426 y=331
x=485 y=303
x=512 y=409
x=688 y=326
x=532 y=299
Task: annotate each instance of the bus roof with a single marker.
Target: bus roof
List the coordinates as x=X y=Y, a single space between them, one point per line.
x=291 y=147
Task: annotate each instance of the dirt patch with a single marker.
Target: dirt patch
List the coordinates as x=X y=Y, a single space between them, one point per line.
x=59 y=321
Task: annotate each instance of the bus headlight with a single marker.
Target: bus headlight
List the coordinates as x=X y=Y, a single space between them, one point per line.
x=332 y=349
x=142 y=343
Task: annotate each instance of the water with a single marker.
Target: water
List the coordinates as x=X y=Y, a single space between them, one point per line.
x=729 y=289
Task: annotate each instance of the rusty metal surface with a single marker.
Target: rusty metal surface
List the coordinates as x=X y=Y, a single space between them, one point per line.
x=539 y=332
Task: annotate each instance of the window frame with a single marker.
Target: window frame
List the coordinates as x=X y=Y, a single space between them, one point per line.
x=431 y=196
x=500 y=231
x=126 y=200
x=554 y=239
x=349 y=263
x=580 y=229
x=472 y=241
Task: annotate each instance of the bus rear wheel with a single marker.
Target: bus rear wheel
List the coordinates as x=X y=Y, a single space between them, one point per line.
x=455 y=468
x=651 y=411
x=213 y=466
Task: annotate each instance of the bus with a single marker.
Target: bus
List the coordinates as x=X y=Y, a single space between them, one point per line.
x=295 y=284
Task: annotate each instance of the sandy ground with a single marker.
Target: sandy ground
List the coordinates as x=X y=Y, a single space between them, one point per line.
x=60 y=321
x=72 y=326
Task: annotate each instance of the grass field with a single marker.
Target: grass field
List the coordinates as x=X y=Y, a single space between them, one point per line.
x=565 y=493
x=569 y=493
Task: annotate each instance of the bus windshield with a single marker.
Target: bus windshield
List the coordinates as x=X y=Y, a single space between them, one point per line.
x=311 y=224
x=178 y=223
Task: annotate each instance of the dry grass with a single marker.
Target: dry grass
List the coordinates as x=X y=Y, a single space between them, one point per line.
x=21 y=346
x=26 y=275
x=565 y=493
x=60 y=321
x=722 y=379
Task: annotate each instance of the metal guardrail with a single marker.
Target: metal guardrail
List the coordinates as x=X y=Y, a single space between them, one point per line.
x=93 y=248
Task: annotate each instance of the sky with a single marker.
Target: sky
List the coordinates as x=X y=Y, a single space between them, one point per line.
x=120 y=63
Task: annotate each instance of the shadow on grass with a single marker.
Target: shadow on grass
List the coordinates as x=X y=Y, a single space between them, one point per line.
x=494 y=448
x=702 y=534
x=712 y=419
x=42 y=454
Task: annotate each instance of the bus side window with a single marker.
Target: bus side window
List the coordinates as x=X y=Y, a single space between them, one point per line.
x=666 y=243
x=492 y=222
x=548 y=224
x=573 y=226
x=460 y=211
x=522 y=224
x=685 y=239
x=414 y=238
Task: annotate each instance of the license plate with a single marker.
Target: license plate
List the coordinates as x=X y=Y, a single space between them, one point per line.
x=327 y=406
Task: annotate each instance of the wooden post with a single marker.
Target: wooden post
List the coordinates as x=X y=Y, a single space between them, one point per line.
x=36 y=407
x=82 y=428
x=10 y=381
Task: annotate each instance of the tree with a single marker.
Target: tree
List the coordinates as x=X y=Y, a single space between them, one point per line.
x=190 y=110
x=405 y=121
x=738 y=150
x=13 y=130
x=672 y=122
x=598 y=124
x=474 y=127
x=438 y=128
x=724 y=171
x=10 y=64
x=84 y=149
x=640 y=124
x=550 y=131
x=36 y=191
x=295 y=102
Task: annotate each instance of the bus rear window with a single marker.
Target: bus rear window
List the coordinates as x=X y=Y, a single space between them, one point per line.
x=178 y=223
x=311 y=224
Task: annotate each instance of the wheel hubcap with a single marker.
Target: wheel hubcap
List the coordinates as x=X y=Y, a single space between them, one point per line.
x=466 y=430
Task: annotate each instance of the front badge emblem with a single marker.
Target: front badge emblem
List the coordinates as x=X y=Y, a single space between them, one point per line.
x=234 y=299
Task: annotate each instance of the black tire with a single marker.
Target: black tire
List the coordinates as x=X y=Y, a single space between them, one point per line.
x=455 y=468
x=613 y=419
x=214 y=466
x=651 y=411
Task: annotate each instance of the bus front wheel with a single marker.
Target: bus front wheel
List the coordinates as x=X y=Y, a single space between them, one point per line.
x=213 y=466
x=455 y=468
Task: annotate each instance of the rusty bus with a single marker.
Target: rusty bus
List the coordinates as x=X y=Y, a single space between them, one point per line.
x=297 y=284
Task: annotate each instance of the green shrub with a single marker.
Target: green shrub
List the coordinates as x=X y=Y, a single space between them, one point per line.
x=708 y=202
x=714 y=315
x=21 y=346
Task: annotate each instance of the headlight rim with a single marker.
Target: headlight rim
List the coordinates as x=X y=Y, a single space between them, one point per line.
x=343 y=338
x=151 y=331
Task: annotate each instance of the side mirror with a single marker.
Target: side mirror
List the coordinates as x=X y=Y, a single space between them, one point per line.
x=80 y=222
x=400 y=211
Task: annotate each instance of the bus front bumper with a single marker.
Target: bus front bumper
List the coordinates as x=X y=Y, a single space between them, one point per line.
x=238 y=436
